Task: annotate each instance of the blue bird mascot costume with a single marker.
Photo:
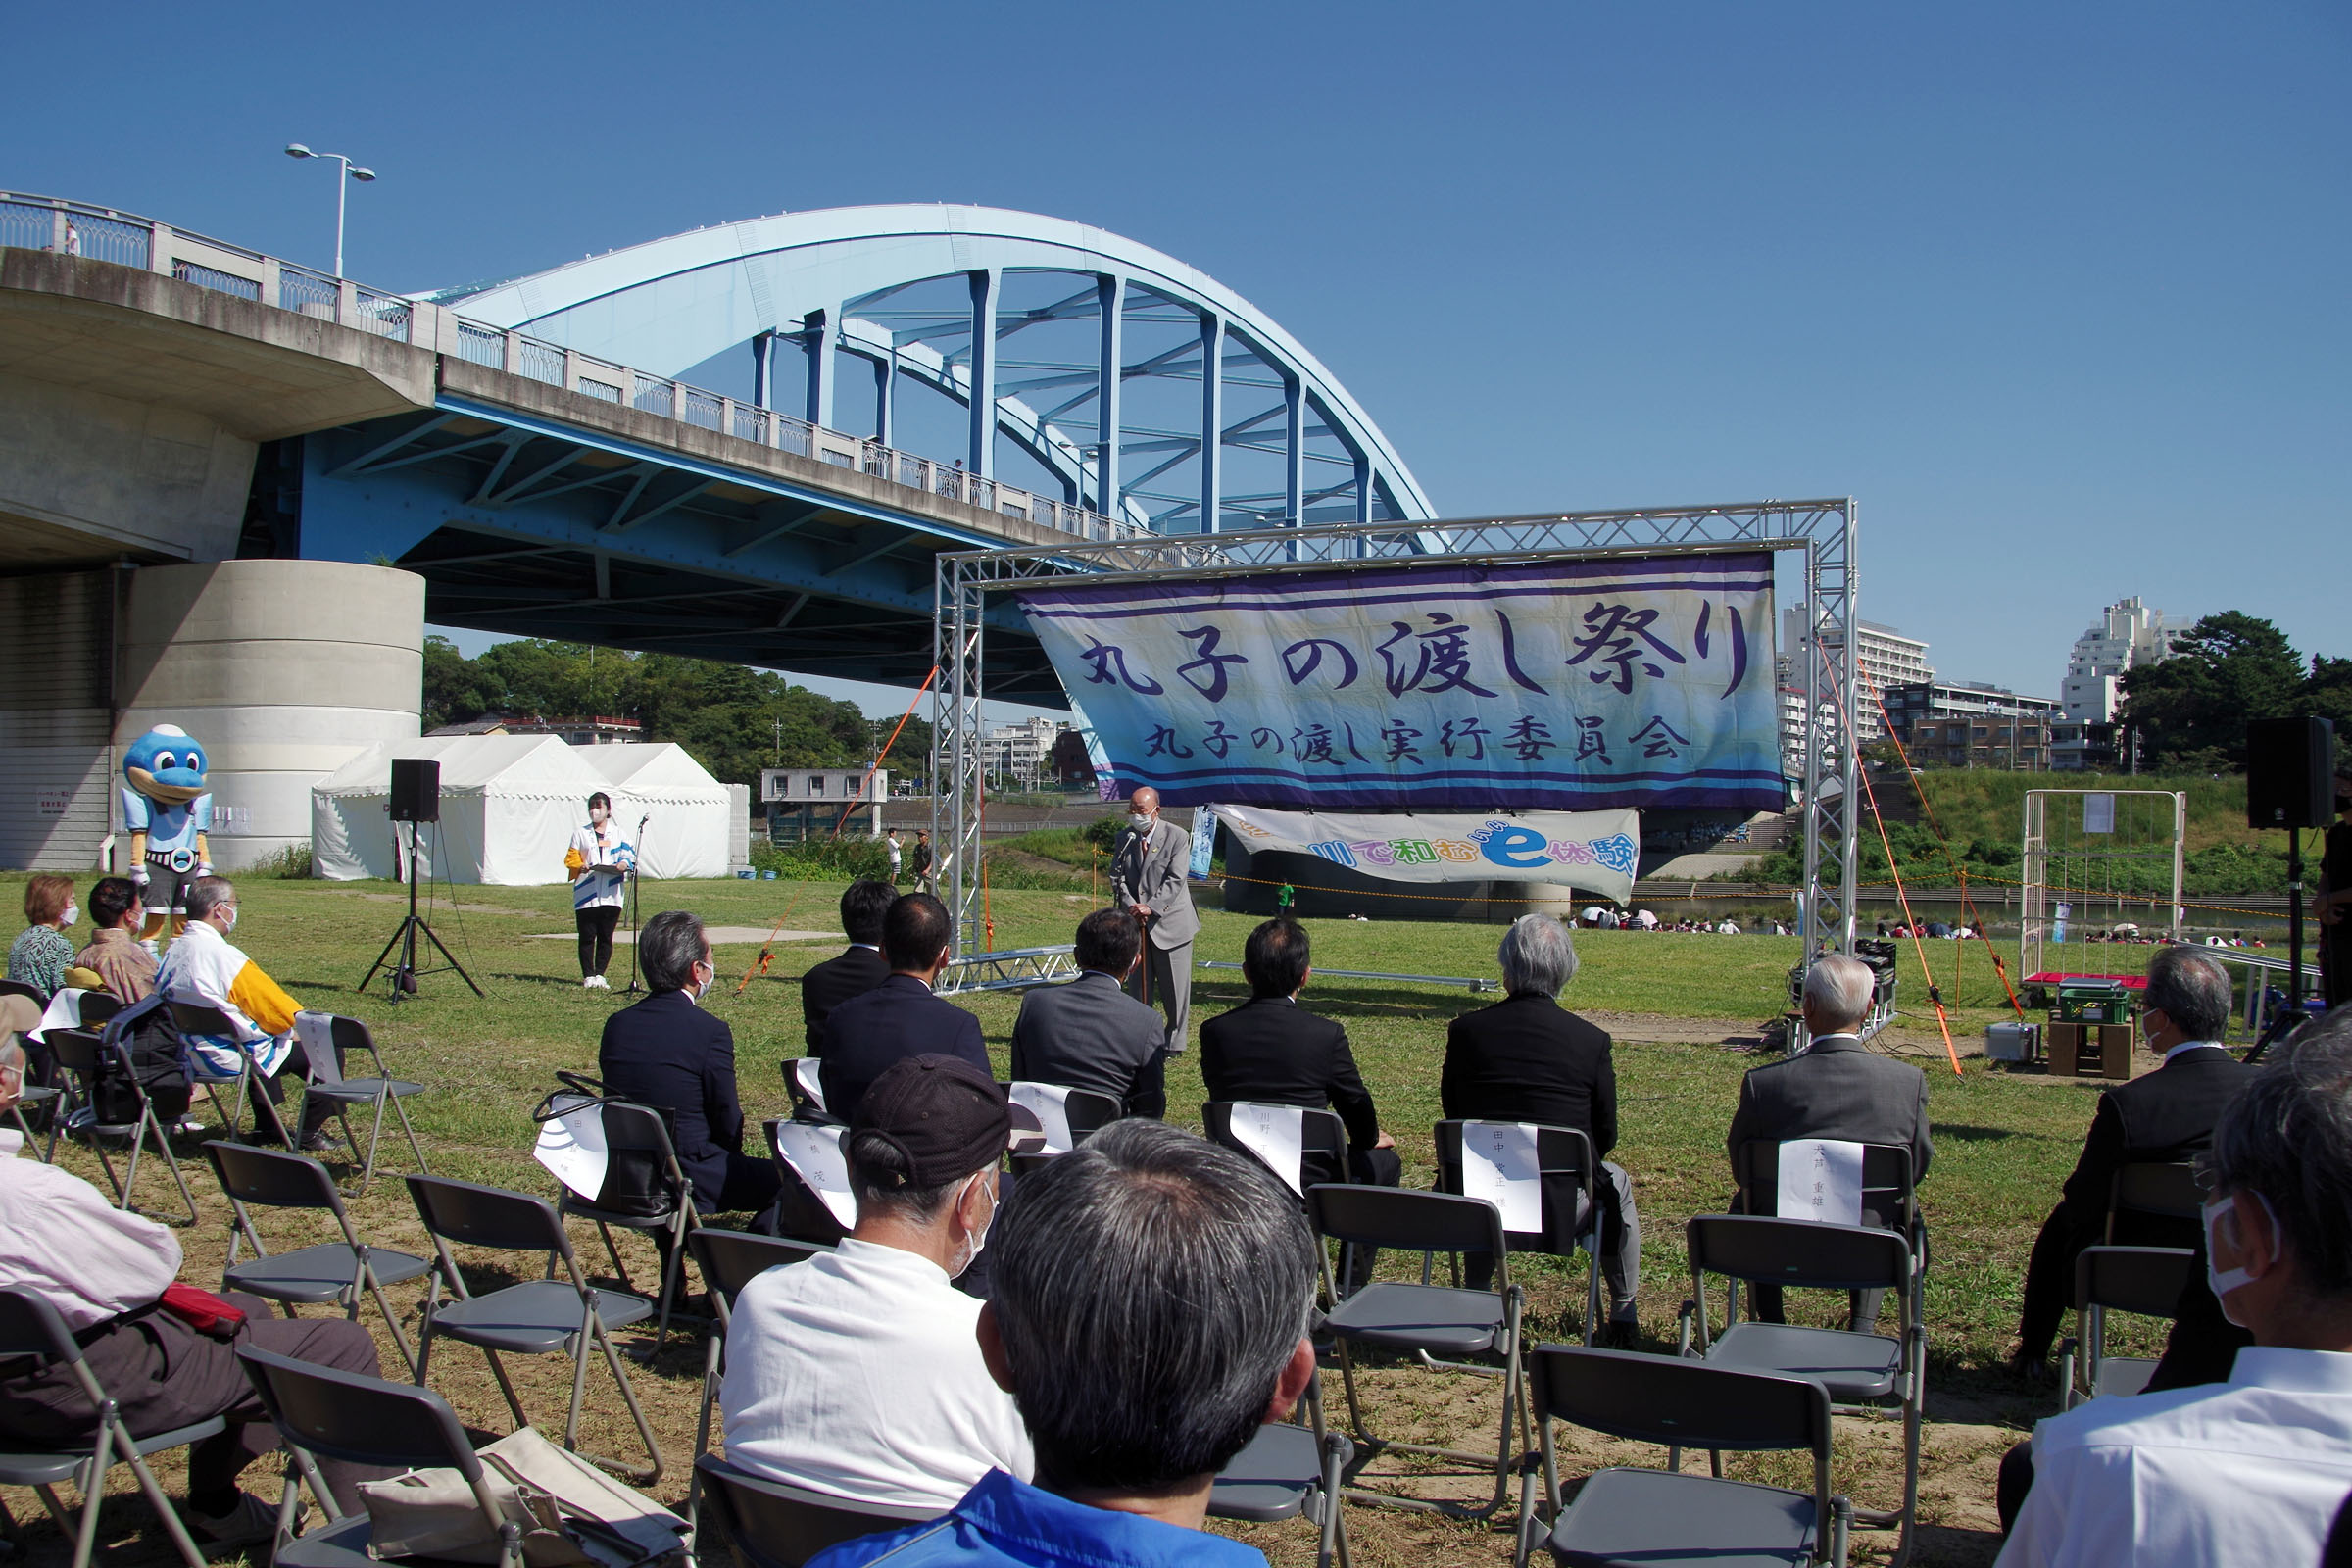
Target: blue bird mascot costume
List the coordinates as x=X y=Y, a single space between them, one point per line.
x=168 y=810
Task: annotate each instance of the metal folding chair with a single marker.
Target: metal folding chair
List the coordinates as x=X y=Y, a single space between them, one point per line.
x=1439 y=1325
x=30 y=1327
x=1291 y=1468
x=800 y=1211
x=1570 y=1173
x=90 y=1063
x=26 y=989
x=2147 y=1280
x=640 y=1132
x=382 y=1091
x=539 y=1317
x=1626 y=1516
x=326 y=1272
x=39 y=1087
x=362 y=1420
x=2146 y=1192
x=1861 y=1371
x=772 y=1524
x=199 y=1018
x=1088 y=1112
x=1890 y=1191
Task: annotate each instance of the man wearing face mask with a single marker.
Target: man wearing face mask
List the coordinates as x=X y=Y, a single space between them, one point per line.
x=666 y=1051
x=2251 y=1470
x=858 y=1373
x=1149 y=867
x=203 y=968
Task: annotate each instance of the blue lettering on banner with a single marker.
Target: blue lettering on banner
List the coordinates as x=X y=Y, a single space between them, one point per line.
x=1520 y=849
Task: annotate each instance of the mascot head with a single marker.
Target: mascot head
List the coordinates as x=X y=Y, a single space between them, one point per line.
x=165 y=765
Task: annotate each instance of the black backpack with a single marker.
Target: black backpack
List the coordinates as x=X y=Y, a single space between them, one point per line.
x=636 y=1182
x=158 y=1059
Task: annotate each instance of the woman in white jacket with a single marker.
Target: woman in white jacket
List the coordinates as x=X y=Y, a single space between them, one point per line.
x=598 y=862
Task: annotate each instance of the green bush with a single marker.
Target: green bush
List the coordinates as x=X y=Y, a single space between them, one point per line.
x=290 y=864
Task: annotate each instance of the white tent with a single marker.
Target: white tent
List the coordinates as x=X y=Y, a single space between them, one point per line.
x=509 y=803
x=689 y=813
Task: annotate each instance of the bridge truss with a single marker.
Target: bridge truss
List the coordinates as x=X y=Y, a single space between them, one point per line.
x=1821 y=671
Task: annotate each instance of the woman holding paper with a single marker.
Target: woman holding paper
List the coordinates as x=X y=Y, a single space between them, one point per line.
x=599 y=863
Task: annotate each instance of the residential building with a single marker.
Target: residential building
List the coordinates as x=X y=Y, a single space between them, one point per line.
x=1970 y=724
x=2128 y=634
x=2084 y=747
x=1024 y=751
x=1883 y=658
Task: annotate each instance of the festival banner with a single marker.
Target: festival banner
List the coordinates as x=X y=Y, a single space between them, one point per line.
x=1580 y=684
x=1595 y=851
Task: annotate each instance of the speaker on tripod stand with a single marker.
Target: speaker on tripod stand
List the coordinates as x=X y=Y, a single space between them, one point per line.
x=2290 y=784
x=414 y=799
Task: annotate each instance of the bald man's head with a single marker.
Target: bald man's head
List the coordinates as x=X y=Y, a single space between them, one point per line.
x=1145 y=801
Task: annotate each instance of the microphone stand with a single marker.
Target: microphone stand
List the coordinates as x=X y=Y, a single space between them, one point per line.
x=634 y=852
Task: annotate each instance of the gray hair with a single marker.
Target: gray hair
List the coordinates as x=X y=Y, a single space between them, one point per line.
x=1150 y=1287
x=207 y=894
x=879 y=1171
x=1839 y=988
x=1536 y=954
x=2194 y=989
x=669 y=945
x=2289 y=1135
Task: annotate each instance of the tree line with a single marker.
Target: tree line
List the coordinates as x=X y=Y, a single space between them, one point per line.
x=733 y=720
x=2190 y=712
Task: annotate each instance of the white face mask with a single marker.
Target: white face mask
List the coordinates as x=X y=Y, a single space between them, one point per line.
x=702 y=987
x=73 y=913
x=231 y=924
x=979 y=1240
x=597 y=815
x=1138 y=821
x=2225 y=1280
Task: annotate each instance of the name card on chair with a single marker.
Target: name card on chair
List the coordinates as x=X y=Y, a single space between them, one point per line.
x=816 y=1157
x=1276 y=1135
x=1049 y=1105
x=314 y=1032
x=1821 y=1179
x=1500 y=1165
x=807 y=1072
x=62 y=1013
x=572 y=1142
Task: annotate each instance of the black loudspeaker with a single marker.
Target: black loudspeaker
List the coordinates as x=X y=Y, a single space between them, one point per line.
x=2291 y=772
x=415 y=790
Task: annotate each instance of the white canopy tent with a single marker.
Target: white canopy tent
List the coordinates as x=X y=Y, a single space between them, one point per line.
x=690 y=813
x=509 y=803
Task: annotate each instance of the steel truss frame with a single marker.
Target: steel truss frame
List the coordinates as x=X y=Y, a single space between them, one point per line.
x=1823 y=531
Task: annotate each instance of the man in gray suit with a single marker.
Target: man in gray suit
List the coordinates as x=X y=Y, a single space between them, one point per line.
x=1089 y=1034
x=1837 y=1088
x=1147 y=871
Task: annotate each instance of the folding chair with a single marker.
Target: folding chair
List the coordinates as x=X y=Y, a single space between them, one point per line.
x=1425 y=1321
x=380 y=1090
x=2147 y=1279
x=1290 y=1468
x=772 y=1524
x=641 y=1133
x=800 y=1211
x=1570 y=1174
x=362 y=1420
x=1890 y=1192
x=1629 y=1516
x=1088 y=1112
x=326 y=1272
x=91 y=1063
x=26 y=989
x=1861 y=1371
x=2147 y=1200
x=198 y=1018
x=729 y=1260
x=31 y=1327
x=1322 y=1143
x=539 y=1317
x=803 y=1086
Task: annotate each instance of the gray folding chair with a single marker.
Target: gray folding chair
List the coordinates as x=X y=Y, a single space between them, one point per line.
x=1865 y=1373
x=30 y=1327
x=1629 y=1516
x=381 y=1091
x=2147 y=1280
x=1291 y=1468
x=800 y=1211
x=539 y=1317
x=1890 y=1191
x=772 y=1524
x=1322 y=1157
x=100 y=1070
x=1439 y=1325
x=362 y=1420
x=198 y=1018
x=729 y=1260
x=638 y=1133
x=2150 y=1196
x=325 y=1272
x=1570 y=1174
x=1088 y=1113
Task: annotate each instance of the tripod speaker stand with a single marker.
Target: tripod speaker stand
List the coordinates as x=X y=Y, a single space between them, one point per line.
x=416 y=799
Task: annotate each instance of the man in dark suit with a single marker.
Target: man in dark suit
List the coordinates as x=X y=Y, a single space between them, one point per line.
x=1528 y=1059
x=1837 y=1088
x=1090 y=1034
x=2165 y=1116
x=900 y=1017
x=666 y=1052
x=850 y=973
x=1271 y=1050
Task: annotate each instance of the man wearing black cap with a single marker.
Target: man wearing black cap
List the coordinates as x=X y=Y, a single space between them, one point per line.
x=858 y=1373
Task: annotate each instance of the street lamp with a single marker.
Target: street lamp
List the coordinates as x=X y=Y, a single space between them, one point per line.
x=363 y=175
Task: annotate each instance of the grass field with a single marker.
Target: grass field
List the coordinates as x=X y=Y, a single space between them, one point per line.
x=1686 y=1013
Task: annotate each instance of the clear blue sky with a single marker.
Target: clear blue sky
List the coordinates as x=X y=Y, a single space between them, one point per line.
x=2057 y=291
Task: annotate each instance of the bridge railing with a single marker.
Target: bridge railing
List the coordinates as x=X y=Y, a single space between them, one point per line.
x=76 y=229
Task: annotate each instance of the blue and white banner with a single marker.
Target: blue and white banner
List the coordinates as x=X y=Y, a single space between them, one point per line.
x=1562 y=684
x=1596 y=852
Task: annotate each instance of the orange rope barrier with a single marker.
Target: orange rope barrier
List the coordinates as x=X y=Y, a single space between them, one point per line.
x=768 y=949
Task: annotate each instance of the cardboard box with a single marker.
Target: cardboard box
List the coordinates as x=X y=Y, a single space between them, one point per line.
x=2089 y=1050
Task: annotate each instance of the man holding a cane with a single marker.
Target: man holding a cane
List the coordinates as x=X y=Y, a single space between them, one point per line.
x=1149 y=867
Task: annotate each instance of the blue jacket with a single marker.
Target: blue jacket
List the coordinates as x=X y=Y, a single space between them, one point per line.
x=900 y=1017
x=1006 y=1521
x=666 y=1051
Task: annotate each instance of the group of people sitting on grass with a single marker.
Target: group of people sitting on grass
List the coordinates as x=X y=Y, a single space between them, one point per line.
x=1060 y=1366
